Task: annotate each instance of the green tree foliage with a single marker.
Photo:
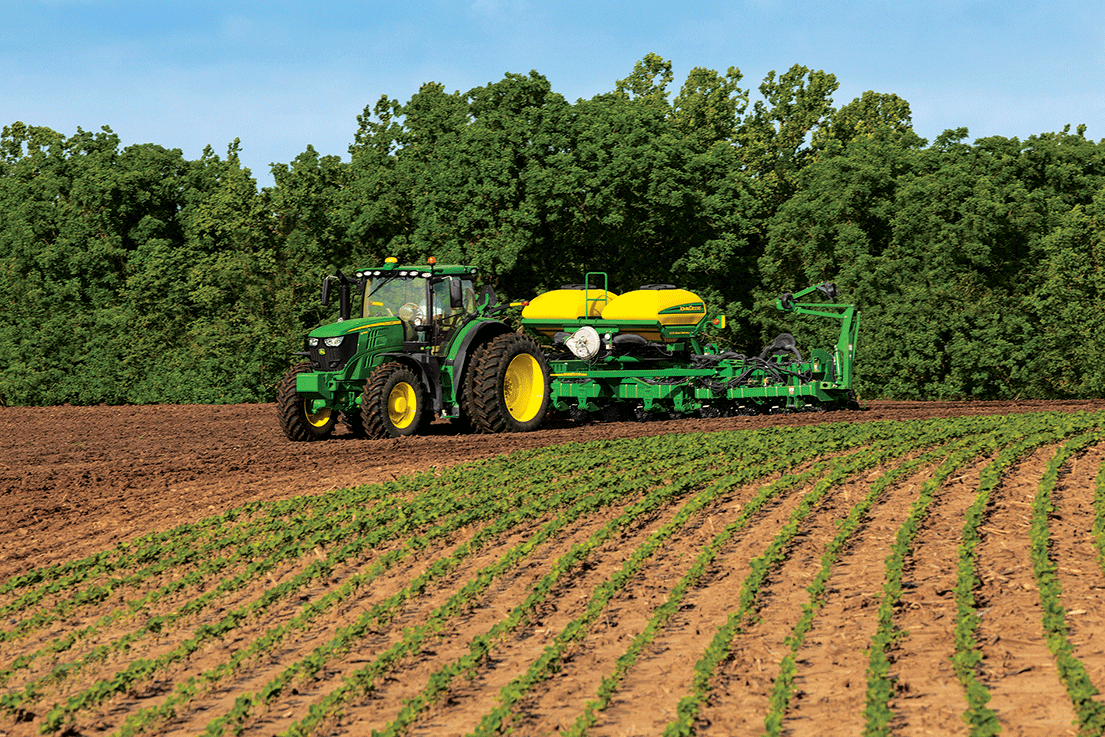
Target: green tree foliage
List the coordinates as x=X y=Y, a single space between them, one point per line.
x=944 y=245
x=134 y=275
x=1069 y=301
x=460 y=177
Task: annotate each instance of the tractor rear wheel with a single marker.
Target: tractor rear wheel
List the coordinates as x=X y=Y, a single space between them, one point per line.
x=466 y=421
x=298 y=419
x=510 y=386
x=392 y=403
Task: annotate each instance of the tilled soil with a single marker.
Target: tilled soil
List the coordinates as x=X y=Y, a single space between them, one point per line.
x=77 y=480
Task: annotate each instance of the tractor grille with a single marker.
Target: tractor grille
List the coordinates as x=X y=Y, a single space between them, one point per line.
x=332 y=358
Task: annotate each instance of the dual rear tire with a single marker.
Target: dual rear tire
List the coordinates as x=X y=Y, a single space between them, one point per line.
x=505 y=389
x=508 y=385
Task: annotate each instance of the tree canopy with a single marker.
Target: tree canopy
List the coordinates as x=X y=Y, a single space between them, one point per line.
x=130 y=274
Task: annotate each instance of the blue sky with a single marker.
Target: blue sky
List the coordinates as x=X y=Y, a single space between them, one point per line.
x=282 y=76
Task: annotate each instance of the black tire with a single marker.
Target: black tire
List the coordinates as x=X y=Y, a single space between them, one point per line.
x=510 y=384
x=392 y=402
x=580 y=416
x=297 y=421
x=466 y=421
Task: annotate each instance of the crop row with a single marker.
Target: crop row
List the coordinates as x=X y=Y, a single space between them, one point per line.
x=298 y=587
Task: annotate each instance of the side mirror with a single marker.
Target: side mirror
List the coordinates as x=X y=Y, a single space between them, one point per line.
x=343 y=292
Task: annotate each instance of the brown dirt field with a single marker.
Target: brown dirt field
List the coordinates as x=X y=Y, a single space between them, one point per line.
x=77 y=480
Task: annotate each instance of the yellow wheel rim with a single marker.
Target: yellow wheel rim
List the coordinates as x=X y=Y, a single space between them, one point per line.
x=402 y=405
x=523 y=388
x=318 y=418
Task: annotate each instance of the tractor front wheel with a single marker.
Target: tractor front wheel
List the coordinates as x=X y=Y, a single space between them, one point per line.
x=299 y=418
x=510 y=386
x=392 y=403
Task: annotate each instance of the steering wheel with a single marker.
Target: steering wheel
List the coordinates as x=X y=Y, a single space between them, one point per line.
x=410 y=312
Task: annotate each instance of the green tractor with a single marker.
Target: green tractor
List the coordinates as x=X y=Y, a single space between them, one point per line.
x=425 y=344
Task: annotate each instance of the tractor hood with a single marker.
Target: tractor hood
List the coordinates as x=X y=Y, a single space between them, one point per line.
x=356 y=325
x=335 y=347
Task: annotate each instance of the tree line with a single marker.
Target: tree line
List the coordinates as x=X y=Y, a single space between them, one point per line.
x=132 y=275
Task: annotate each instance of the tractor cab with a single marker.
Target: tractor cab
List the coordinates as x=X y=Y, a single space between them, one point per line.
x=431 y=303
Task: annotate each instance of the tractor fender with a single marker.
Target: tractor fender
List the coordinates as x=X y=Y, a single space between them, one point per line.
x=484 y=331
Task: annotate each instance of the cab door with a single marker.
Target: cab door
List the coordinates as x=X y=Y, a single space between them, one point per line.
x=454 y=298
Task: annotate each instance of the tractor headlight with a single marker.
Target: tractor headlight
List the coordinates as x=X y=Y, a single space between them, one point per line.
x=312 y=342
x=334 y=342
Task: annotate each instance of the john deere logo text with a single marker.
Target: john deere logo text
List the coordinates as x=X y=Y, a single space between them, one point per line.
x=690 y=307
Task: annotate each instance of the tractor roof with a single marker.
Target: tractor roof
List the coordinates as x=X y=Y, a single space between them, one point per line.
x=423 y=270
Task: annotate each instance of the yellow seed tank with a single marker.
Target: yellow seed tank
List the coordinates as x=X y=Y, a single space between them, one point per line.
x=667 y=306
x=568 y=304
